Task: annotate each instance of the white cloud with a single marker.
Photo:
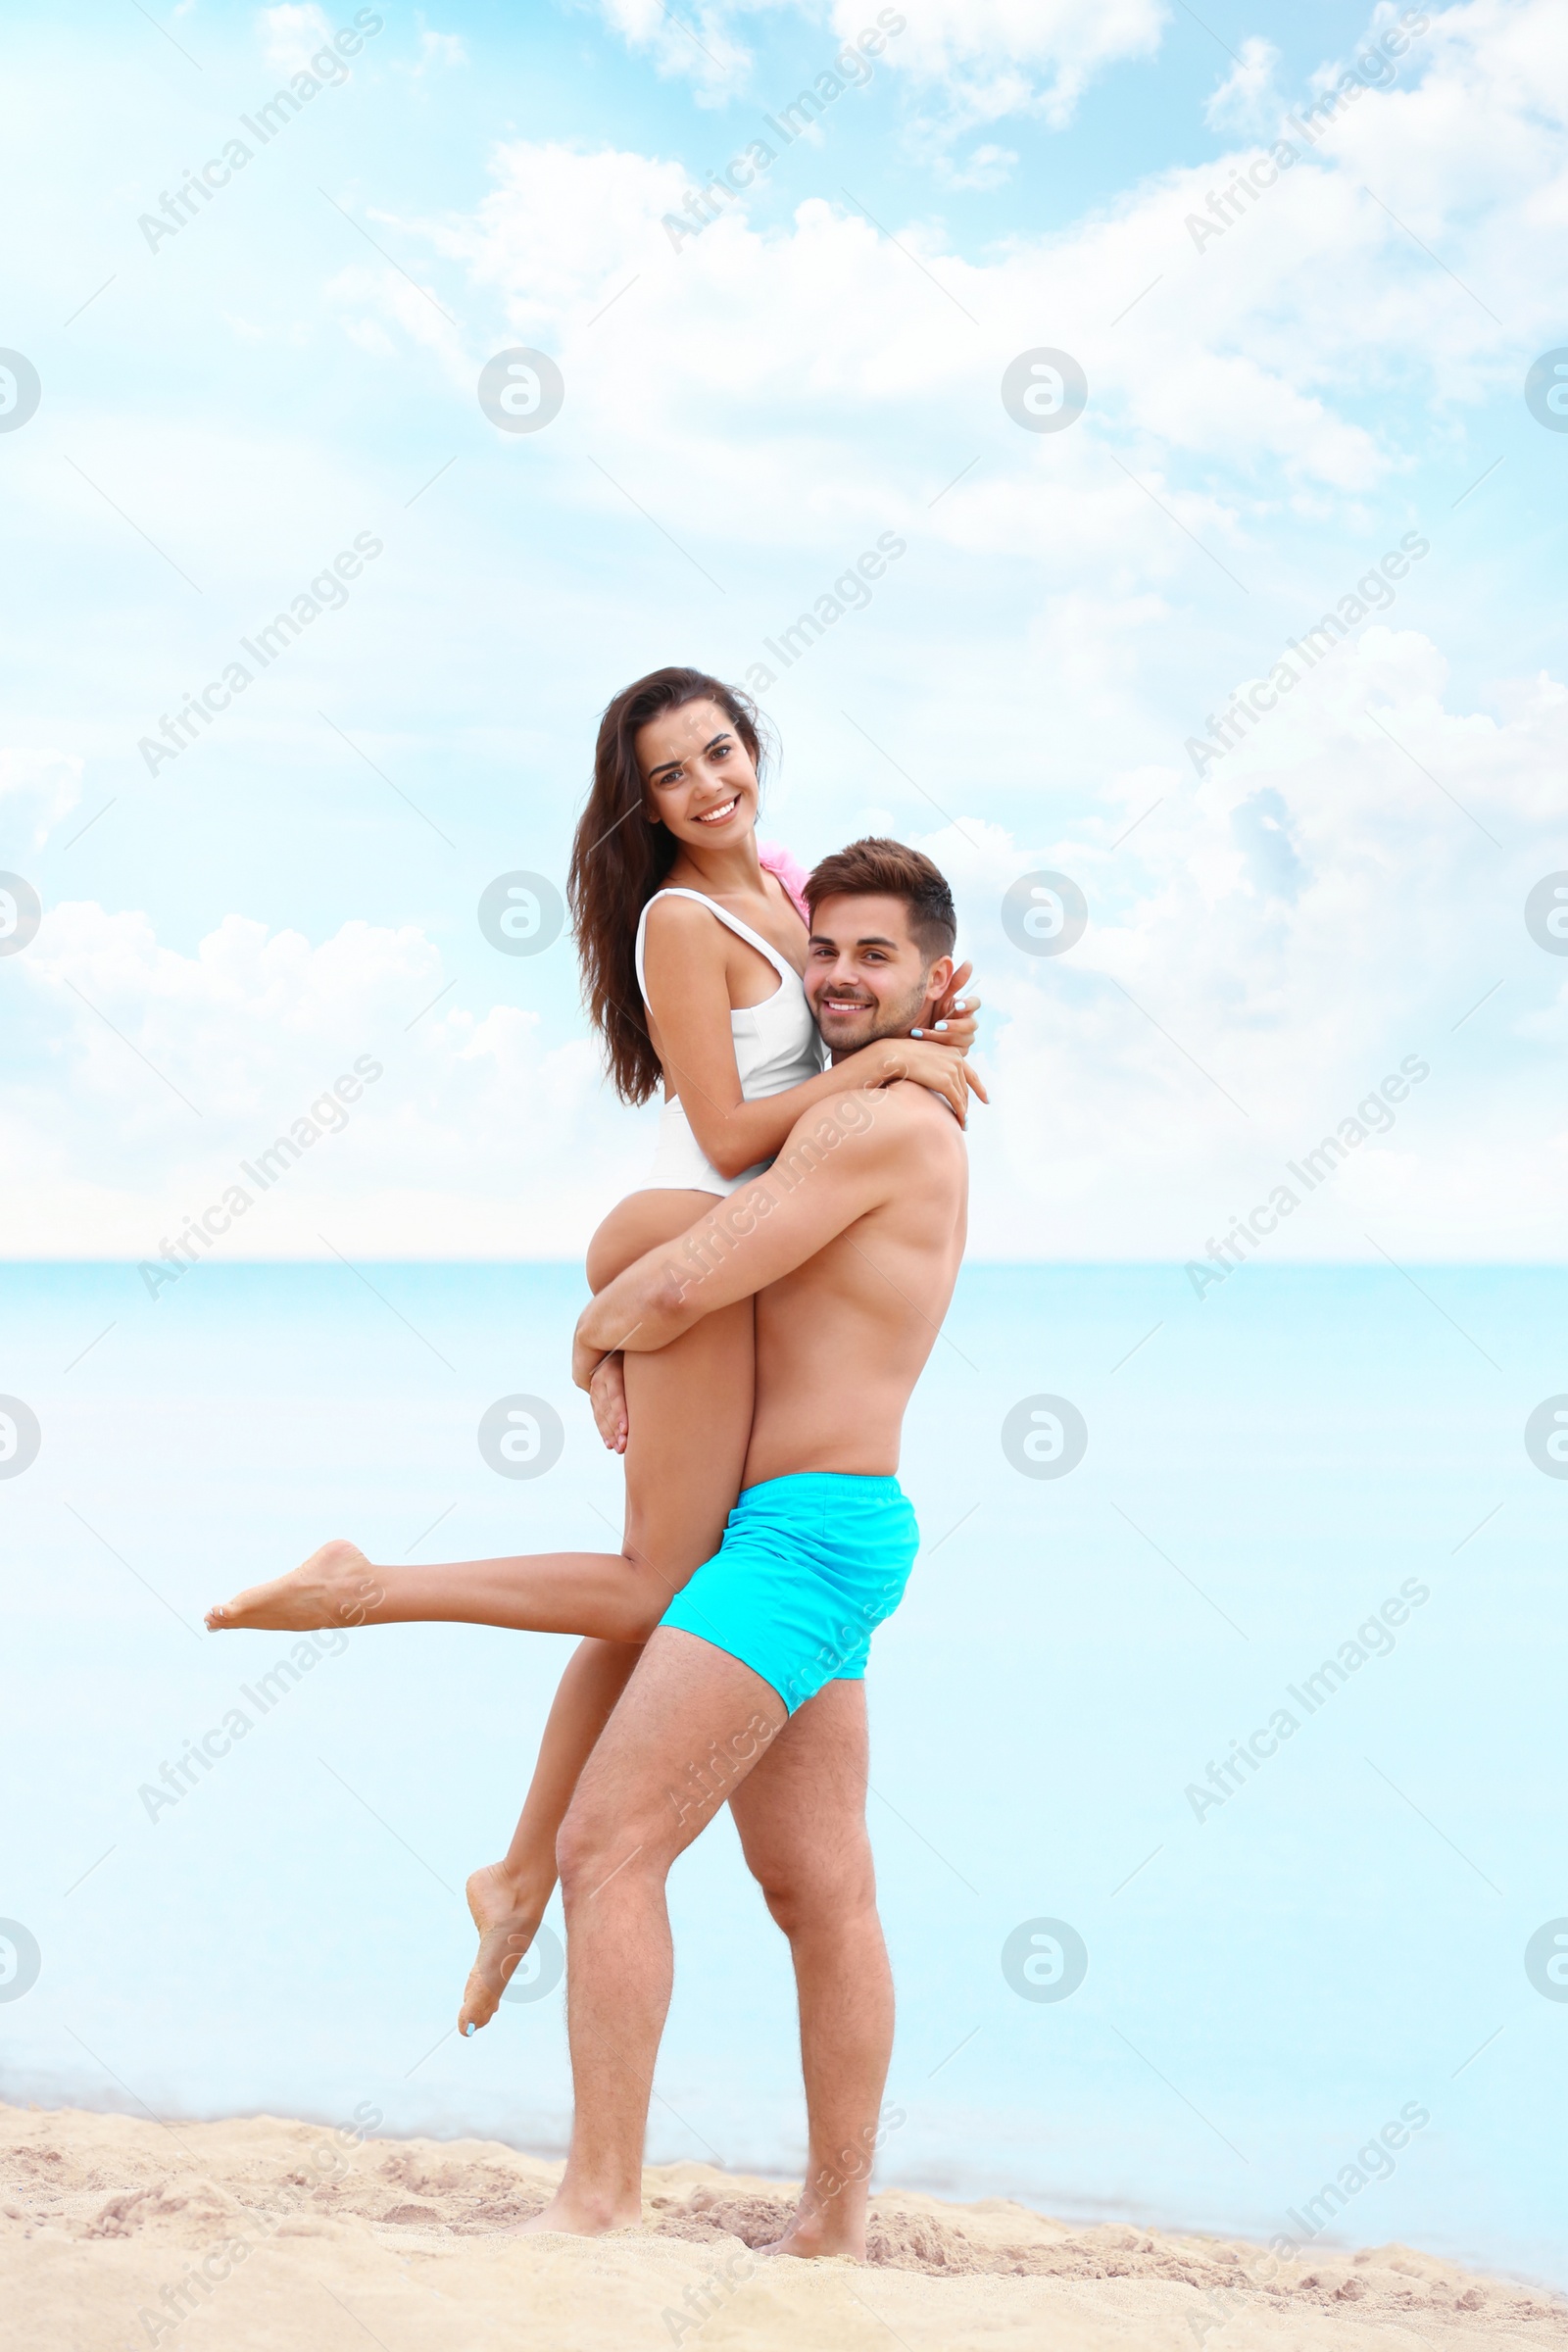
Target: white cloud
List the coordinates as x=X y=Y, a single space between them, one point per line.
x=477 y=1135
x=437 y=49
x=707 y=54
x=1247 y=96
x=986 y=58
x=1311 y=908
x=1260 y=954
x=1248 y=344
x=292 y=35
x=1003 y=57
x=1262 y=951
x=38 y=788
x=984 y=167
x=1241 y=376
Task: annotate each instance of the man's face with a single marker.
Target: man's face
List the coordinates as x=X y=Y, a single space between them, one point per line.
x=865 y=977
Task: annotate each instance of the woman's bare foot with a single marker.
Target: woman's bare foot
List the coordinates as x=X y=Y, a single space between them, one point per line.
x=336 y=1586
x=507 y=1913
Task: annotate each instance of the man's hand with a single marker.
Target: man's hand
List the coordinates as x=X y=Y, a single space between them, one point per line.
x=607 y=1393
x=625 y=1313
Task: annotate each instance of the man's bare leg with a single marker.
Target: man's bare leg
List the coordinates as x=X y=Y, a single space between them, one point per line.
x=802 y=1822
x=692 y=1724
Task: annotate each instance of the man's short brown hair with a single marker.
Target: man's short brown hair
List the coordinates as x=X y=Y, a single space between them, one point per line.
x=891 y=869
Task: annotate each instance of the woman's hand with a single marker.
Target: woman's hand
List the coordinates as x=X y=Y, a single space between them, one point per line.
x=607 y=1393
x=955 y=1018
x=941 y=1067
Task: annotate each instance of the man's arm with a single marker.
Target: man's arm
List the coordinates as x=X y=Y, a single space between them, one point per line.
x=839 y=1161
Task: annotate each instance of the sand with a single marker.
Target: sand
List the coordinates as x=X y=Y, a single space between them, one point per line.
x=271 y=2237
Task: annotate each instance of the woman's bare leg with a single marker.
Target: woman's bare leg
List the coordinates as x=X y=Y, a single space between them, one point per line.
x=689 y=1415
x=689 y=1418
x=602 y=1592
x=691 y=1412
x=507 y=1899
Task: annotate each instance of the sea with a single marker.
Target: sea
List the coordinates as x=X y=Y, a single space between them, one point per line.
x=1217 y=1747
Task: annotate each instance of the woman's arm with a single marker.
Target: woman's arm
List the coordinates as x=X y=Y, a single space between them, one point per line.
x=685 y=959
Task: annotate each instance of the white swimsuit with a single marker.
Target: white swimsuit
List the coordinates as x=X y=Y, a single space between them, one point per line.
x=776 y=1047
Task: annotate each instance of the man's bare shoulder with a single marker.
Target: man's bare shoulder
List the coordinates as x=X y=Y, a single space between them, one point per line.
x=884 y=1124
x=915 y=1114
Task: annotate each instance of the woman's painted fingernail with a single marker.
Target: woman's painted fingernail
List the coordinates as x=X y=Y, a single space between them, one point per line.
x=939 y=1025
x=917 y=1033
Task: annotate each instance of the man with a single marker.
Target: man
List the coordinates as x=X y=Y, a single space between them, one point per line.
x=750 y=1690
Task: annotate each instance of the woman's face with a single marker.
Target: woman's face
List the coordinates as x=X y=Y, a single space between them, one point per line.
x=697 y=775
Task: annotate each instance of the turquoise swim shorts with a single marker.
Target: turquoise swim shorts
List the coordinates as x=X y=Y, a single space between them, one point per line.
x=809 y=1568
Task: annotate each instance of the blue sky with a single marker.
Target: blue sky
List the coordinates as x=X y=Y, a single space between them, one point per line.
x=1271 y=410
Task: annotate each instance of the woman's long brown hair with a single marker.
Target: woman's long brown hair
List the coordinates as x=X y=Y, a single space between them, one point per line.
x=619 y=859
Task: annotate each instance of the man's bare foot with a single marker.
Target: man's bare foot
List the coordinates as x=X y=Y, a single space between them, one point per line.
x=577 y=2217
x=816 y=2237
x=336 y=1586
x=507 y=1915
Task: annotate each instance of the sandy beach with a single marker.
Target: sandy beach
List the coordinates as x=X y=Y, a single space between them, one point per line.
x=253 y=2235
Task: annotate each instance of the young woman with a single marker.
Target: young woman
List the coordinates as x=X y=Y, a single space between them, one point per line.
x=693 y=942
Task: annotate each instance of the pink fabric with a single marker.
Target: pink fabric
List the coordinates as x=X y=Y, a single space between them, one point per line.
x=777 y=859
